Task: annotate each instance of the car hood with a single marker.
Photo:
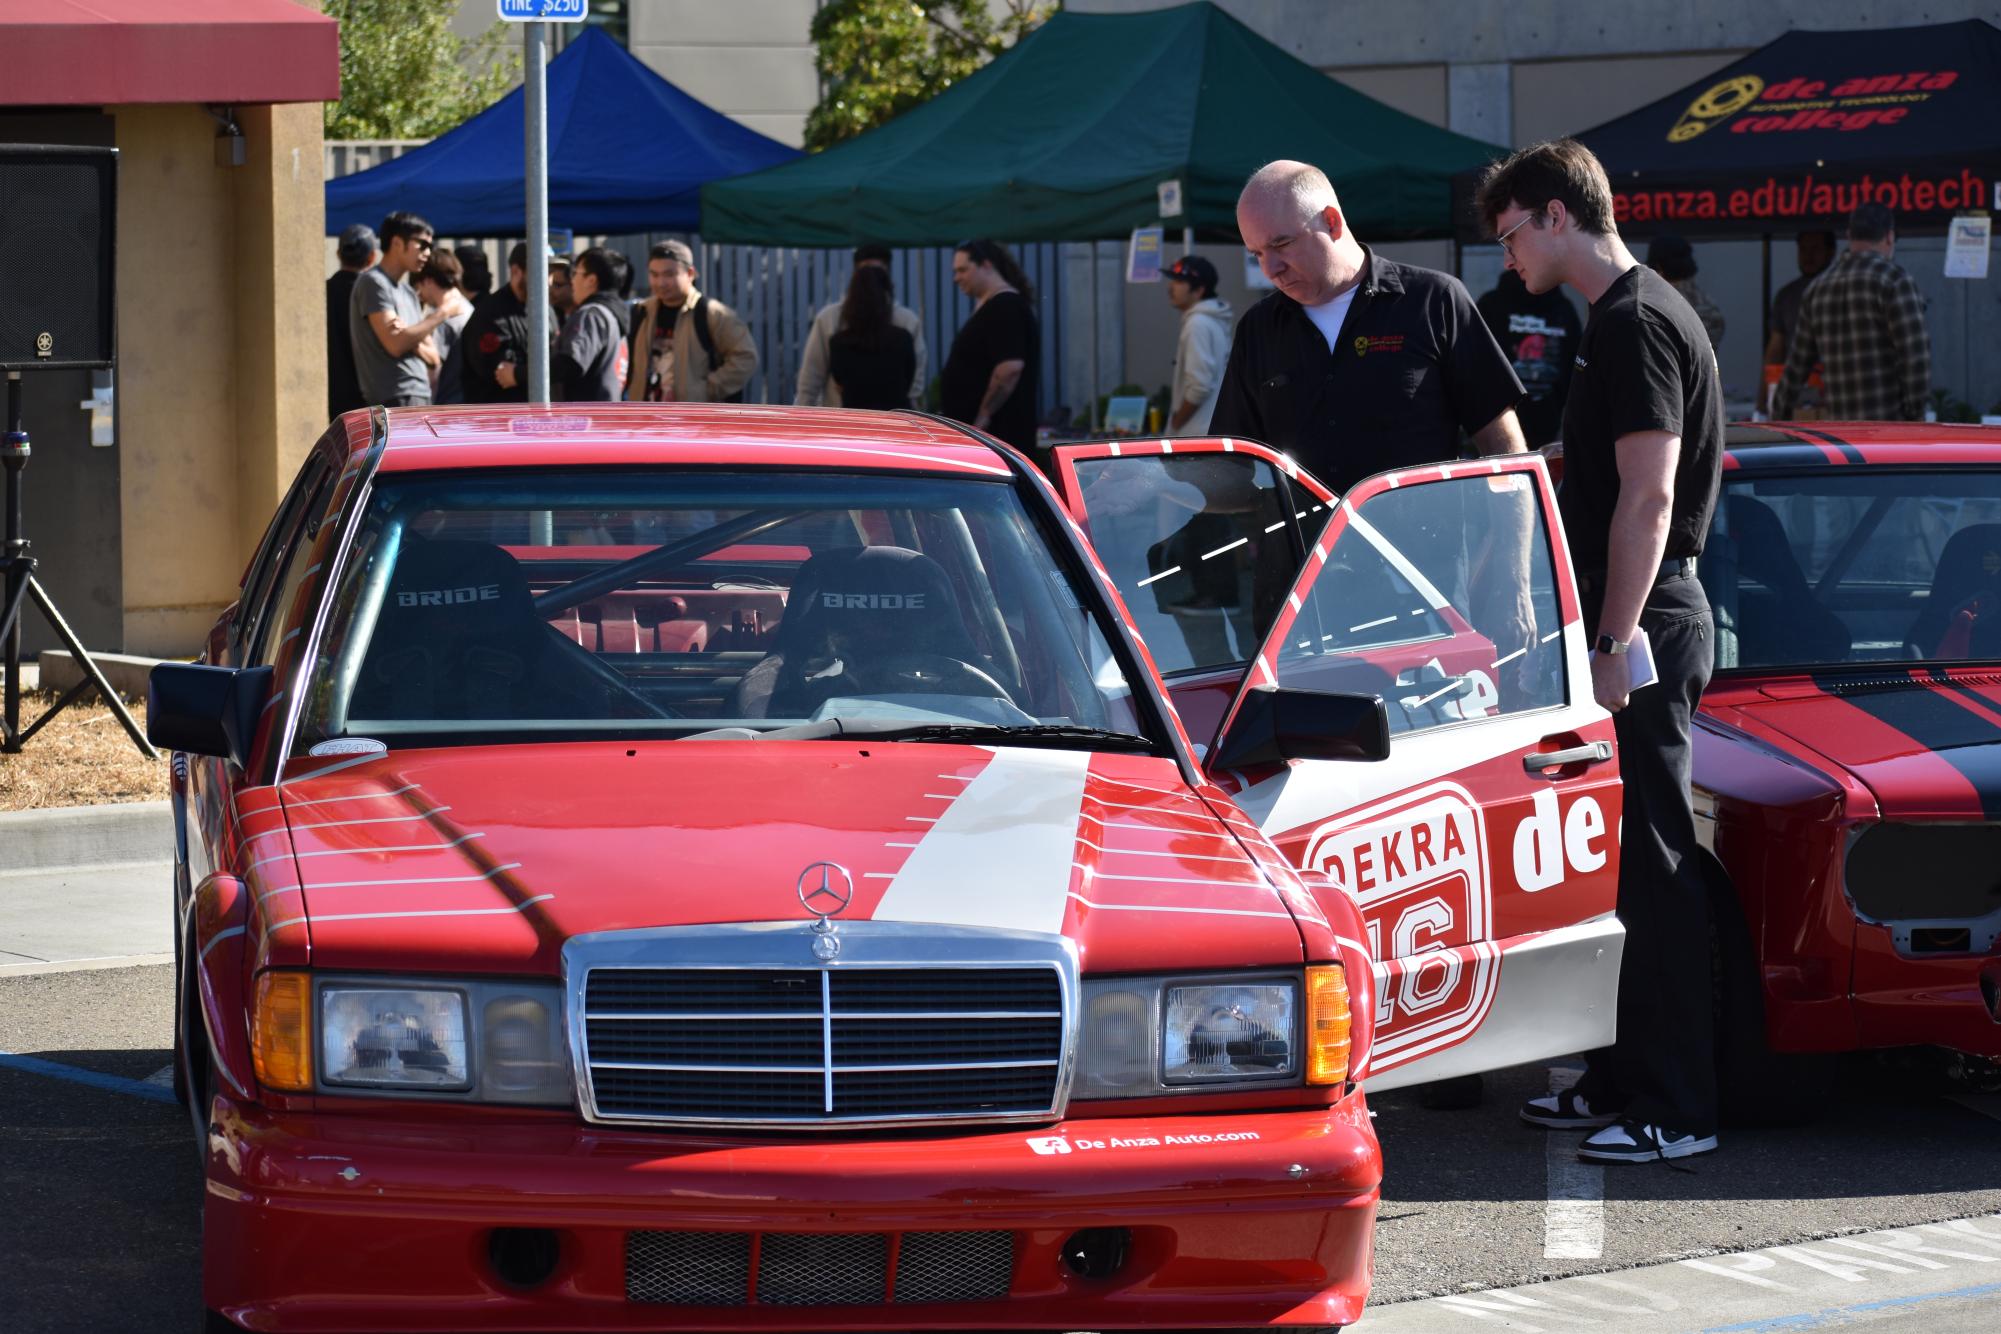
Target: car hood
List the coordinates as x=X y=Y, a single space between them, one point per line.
x=487 y=859
x=1927 y=744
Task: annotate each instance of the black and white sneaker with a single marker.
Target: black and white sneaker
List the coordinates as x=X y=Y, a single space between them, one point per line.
x=1568 y=1110
x=1634 y=1142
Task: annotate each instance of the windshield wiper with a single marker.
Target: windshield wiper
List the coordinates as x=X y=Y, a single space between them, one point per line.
x=895 y=729
x=1095 y=738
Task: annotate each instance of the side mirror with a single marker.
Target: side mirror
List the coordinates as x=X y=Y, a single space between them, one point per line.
x=1274 y=725
x=206 y=710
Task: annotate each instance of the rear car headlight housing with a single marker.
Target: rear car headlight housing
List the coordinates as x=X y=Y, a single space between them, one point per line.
x=461 y=1040
x=1149 y=1036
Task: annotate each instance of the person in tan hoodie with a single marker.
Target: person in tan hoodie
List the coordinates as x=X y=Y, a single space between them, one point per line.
x=702 y=354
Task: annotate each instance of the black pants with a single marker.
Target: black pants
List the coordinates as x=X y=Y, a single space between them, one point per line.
x=1661 y=1068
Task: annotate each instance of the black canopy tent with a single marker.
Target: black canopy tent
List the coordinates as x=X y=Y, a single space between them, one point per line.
x=1796 y=134
x=1793 y=136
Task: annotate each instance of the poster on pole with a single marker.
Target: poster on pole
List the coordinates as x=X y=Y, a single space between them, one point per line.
x=1966 y=245
x=1143 y=255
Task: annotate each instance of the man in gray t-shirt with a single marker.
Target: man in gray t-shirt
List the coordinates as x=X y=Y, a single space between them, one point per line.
x=387 y=321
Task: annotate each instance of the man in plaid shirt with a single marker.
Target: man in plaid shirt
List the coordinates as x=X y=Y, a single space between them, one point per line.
x=1864 y=322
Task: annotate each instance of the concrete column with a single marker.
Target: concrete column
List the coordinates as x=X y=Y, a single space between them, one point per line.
x=280 y=308
x=177 y=350
x=1479 y=100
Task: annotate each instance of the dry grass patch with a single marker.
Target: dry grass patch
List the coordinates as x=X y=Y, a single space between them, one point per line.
x=83 y=758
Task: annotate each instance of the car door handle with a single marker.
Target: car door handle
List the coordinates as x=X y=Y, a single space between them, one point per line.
x=1593 y=752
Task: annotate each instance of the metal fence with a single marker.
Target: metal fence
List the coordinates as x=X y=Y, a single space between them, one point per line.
x=778 y=290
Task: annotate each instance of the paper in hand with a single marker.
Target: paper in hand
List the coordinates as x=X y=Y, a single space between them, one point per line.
x=1639 y=655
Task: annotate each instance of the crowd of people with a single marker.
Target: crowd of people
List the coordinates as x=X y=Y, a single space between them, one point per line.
x=409 y=324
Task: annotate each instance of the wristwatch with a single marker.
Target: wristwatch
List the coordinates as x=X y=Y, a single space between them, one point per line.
x=1609 y=646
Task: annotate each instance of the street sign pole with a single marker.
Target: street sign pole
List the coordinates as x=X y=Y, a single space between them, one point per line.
x=534 y=16
x=534 y=62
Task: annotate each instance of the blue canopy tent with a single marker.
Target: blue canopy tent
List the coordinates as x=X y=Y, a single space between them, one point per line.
x=628 y=152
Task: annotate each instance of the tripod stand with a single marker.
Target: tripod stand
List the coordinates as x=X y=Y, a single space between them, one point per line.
x=21 y=584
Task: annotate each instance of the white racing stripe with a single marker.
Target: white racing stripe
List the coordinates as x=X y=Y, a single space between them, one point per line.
x=1000 y=856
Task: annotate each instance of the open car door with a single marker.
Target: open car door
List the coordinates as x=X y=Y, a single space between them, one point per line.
x=1202 y=539
x=1484 y=850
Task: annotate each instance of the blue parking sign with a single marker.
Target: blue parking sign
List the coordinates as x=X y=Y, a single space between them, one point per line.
x=542 y=11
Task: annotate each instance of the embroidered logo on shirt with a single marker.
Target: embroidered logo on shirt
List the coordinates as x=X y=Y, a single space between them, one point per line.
x=1367 y=343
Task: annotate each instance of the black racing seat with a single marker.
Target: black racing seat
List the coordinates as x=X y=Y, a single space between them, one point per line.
x=1965 y=599
x=1791 y=625
x=849 y=612
x=458 y=638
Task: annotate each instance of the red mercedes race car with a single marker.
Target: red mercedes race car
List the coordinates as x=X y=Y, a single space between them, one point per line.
x=739 y=868
x=1848 y=751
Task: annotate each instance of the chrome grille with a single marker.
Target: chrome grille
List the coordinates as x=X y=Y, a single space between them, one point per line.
x=704 y=1026
x=817 y=1269
x=903 y=1042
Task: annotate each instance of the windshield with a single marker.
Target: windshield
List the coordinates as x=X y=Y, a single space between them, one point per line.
x=672 y=603
x=1856 y=566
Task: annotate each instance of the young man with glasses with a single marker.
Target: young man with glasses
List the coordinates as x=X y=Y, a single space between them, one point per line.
x=1642 y=442
x=386 y=320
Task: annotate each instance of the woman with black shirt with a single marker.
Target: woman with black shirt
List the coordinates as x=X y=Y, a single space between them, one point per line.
x=870 y=357
x=989 y=381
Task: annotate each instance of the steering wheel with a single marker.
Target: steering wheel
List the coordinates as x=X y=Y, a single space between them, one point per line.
x=935 y=674
x=604 y=674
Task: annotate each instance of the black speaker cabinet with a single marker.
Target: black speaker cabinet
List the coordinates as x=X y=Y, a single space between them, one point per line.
x=57 y=229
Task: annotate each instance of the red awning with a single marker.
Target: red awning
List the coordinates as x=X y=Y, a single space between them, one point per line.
x=120 y=52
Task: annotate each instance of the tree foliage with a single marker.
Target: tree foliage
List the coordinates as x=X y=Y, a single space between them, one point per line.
x=879 y=58
x=404 y=74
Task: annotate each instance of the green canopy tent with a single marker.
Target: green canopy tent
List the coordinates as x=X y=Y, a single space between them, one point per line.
x=1069 y=136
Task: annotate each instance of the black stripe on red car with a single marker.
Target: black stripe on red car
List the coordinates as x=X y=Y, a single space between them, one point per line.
x=1849 y=453
x=1968 y=742
x=1802 y=455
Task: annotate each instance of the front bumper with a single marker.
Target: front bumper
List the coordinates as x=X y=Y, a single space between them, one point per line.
x=319 y=1222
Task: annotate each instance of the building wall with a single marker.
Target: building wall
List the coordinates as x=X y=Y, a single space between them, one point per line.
x=750 y=59
x=222 y=358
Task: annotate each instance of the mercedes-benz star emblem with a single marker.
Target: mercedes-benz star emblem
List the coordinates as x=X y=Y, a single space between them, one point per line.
x=824 y=890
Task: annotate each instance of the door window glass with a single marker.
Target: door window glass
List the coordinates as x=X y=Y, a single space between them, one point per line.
x=1200 y=547
x=1441 y=598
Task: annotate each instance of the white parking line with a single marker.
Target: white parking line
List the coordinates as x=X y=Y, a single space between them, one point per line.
x=1573 y=1217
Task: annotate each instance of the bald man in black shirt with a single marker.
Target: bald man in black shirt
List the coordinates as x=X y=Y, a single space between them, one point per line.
x=1356 y=364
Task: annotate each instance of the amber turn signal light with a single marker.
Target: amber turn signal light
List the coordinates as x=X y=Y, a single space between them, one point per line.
x=1328 y=1018
x=281 y=1037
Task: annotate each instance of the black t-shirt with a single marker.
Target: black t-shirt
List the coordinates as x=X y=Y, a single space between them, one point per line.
x=343 y=386
x=1413 y=370
x=1004 y=329
x=877 y=375
x=1645 y=364
x=1539 y=335
x=496 y=331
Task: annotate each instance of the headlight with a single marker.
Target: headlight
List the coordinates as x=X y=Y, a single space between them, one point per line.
x=1149 y=1036
x=473 y=1040
x=404 y=1039
x=1239 y=1030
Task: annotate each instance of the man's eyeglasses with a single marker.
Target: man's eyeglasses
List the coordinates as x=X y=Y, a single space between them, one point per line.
x=1503 y=237
x=421 y=242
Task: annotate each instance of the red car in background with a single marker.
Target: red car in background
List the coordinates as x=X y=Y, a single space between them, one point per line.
x=1848 y=751
x=740 y=868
